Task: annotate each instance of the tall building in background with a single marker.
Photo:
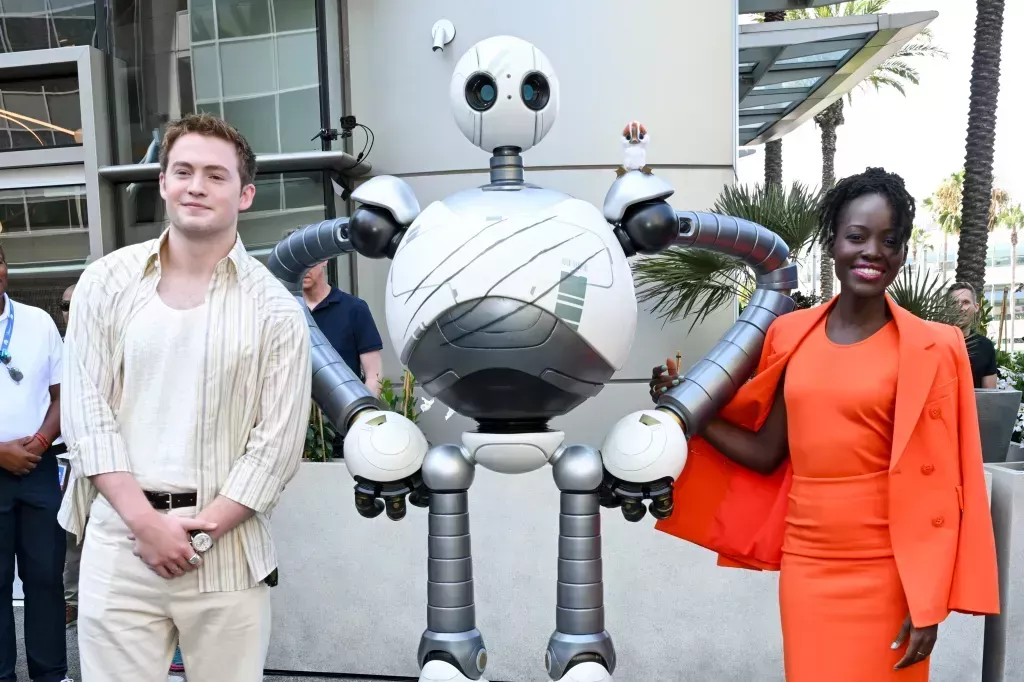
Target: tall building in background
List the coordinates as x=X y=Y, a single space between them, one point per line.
x=88 y=86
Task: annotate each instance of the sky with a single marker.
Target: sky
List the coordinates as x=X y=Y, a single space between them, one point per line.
x=921 y=136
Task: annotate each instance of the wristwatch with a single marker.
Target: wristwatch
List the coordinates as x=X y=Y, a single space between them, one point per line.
x=201 y=542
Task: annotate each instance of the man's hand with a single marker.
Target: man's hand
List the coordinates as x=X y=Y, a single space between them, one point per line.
x=33 y=445
x=919 y=648
x=163 y=543
x=16 y=459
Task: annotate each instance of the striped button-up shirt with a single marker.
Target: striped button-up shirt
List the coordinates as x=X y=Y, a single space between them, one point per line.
x=255 y=400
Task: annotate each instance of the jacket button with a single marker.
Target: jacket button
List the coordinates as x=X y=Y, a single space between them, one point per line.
x=927 y=469
x=935 y=412
x=938 y=521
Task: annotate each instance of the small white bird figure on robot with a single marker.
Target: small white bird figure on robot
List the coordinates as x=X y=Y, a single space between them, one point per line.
x=634 y=145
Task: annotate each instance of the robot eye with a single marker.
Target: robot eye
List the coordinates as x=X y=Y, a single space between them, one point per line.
x=481 y=92
x=535 y=91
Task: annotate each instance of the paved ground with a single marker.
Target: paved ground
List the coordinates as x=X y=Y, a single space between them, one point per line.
x=22 y=670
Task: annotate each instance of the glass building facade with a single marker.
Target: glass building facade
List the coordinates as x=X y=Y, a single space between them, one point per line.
x=87 y=88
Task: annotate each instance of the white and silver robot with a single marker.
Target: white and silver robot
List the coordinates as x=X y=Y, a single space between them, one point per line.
x=512 y=304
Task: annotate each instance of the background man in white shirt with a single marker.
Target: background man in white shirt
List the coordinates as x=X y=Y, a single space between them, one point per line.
x=186 y=401
x=30 y=375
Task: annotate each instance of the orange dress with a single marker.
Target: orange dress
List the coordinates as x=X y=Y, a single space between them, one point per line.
x=841 y=599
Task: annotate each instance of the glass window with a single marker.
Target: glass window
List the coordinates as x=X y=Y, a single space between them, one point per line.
x=42 y=112
x=253 y=62
x=46 y=24
x=247 y=67
x=282 y=203
x=293 y=16
x=240 y=18
x=296 y=61
x=256 y=118
x=41 y=225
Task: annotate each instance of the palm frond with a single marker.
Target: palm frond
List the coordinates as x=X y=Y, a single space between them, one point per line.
x=925 y=295
x=684 y=282
x=881 y=80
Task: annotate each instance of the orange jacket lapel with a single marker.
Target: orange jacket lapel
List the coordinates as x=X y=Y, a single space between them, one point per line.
x=722 y=506
x=916 y=373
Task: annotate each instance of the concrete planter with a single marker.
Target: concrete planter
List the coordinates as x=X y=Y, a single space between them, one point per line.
x=352 y=597
x=1003 y=658
x=997 y=413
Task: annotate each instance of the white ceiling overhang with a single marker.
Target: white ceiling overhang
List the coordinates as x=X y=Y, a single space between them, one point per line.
x=791 y=70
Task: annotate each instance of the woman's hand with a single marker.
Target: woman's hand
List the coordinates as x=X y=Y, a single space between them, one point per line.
x=919 y=648
x=663 y=378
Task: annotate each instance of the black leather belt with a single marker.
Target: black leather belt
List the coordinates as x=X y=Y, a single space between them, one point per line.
x=165 y=501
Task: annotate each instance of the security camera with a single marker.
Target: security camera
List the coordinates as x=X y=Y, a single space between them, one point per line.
x=442 y=34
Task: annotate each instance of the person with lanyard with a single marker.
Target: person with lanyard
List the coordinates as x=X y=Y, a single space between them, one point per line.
x=30 y=491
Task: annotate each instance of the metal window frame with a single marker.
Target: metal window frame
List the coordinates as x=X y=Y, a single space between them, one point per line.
x=87 y=63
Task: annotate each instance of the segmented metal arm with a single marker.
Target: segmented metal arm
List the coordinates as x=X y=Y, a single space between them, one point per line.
x=336 y=389
x=712 y=382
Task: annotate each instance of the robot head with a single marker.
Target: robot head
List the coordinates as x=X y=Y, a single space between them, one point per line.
x=504 y=93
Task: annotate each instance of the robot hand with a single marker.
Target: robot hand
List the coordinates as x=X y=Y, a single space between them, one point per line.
x=384 y=452
x=643 y=455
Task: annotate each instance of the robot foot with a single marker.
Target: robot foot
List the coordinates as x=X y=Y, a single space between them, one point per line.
x=442 y=671
x=587 y=672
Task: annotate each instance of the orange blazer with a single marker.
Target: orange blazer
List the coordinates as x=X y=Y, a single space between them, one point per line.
x=939 y=516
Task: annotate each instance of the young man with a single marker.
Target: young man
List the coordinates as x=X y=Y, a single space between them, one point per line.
x=30 y=378
x=187 y=392
x=980 y=349
x=347 y=323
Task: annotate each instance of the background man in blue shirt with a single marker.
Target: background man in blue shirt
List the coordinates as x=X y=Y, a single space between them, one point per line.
x=348 y=325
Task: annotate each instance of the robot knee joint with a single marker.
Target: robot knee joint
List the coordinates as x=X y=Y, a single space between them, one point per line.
x=578 y=468
x=446 y=468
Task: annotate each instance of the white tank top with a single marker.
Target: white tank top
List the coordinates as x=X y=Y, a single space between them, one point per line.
x=162 y=394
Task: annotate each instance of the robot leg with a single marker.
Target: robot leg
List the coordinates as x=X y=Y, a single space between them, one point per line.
x=451 y=649
x=580 y=650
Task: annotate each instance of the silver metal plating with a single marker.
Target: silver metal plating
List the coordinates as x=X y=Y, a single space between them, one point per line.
x=448 y=468
x=466 y=649
x=563 y=648
x=714 y=380
x=579 y=611
x=391 y=193
x=336 y=389
x=506 y=167
x=451 y=613
x=632 y=188
x=577 y=468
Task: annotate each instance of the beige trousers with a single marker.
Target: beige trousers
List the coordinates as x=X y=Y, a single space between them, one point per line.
x=129 y=618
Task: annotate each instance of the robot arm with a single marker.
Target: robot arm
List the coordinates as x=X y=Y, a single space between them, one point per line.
x=384 y=451
x=645 y=452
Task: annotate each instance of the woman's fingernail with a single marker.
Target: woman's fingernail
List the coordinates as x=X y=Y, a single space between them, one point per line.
x=665 y=367
x=675 y=382
x=664 y=388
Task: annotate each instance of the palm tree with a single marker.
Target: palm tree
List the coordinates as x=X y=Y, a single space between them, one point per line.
x=981 y=139
x=694 y=282
x=944 y=205
x=918 y=242
x=893 y=73
x=1012 y=218
x=773 y=149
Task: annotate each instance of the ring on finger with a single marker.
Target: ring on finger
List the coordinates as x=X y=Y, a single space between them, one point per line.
x=194 y=559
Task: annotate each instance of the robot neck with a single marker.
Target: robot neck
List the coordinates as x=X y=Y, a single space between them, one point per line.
x=506 y=167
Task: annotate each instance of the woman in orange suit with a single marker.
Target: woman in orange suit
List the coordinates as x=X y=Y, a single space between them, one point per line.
x=852 y=463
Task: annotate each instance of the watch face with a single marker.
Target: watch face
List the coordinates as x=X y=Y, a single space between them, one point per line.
x=202 y=542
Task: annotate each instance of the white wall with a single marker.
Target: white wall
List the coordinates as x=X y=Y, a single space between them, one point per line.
x=680 y=84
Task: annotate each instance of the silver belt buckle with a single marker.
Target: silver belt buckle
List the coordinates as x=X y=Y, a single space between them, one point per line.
x=168 y=498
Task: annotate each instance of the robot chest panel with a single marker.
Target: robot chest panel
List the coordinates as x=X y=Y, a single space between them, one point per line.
x=452 y=255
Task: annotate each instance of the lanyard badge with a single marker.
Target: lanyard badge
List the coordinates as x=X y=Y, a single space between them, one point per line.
x=5 y=357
